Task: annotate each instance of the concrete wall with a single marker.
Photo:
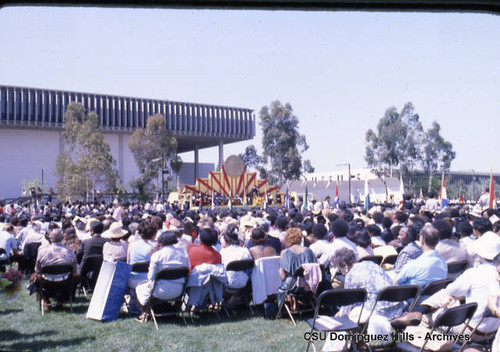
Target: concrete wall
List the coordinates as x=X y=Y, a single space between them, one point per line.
x=24 y=153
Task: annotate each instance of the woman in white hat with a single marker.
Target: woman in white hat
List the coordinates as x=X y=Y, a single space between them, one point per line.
x=116 y=249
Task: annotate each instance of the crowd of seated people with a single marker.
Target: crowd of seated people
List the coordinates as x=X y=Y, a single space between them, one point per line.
x=425 y=242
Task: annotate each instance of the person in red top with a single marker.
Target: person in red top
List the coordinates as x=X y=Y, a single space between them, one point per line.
x=204 y=252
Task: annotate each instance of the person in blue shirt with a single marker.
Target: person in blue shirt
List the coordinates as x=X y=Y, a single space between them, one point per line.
x=429 y=266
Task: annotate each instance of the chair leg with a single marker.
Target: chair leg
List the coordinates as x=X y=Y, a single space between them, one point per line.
x=290 y=314
x=154 y=318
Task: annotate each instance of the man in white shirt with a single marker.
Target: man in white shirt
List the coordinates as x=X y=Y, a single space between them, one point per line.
x=474 y=285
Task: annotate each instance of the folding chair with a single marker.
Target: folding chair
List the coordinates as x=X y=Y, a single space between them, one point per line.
x=169 y=274
x=30 y=251
x=332 y=299
x=131 y=301
x=428 y=290
x=5 y=261
x=246 y=291
x=89 y=273
x=484 y=345
x=377 y=259
x=456 y=268
x=389 y=260
x=302 y=295
x=62 y=290
x=207 y=296
x=449 y=318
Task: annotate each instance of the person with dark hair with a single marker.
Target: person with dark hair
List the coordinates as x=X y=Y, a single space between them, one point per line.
x=261 y=248
x=386 y=234
x=480 y=226
x=377 y=218
x=319 y=244
x=140 y=251
x=374 y=232
x=363 y=243
x=71 y=240
x=167 y=257
x=93 y=246
x=408 y=236
x=204 y=252
x=339 y=230
x=450 y=249
x=232 y=251
x=432 y=203
x=429 y=266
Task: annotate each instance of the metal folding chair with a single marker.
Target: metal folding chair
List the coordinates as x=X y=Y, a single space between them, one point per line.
x=62 y=290
x=332 y=300
x=306 y=295
x=449 y=318
x=169 y=274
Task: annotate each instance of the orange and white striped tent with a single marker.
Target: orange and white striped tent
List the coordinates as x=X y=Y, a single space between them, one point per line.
x=220 y=182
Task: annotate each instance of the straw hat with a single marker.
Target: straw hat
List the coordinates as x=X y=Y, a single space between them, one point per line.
x=115 y=231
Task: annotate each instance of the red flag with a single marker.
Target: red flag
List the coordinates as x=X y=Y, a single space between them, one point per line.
x=492 y=193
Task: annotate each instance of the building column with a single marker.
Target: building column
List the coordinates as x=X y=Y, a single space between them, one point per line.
x=221 y=154
x=196 y=162
x=121 y=166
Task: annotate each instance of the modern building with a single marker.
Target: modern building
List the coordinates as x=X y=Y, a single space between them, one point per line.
x=31 y=121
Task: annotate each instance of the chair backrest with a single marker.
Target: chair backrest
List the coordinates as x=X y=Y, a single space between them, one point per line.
x=140 y=267
x=57 y=269
x=377 y=259
x=390 y=259
x=91 y=264
x=457 y=267
x=430 y=289
x=172 y=273
x=398 y=293
x=342 y=297
x=240 y=265
x=456 y=315
x=435 y=286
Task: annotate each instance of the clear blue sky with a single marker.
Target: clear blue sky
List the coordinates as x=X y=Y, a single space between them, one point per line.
x=340 y=71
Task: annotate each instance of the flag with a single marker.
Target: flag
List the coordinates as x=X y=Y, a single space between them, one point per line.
x=492 y=202
x=367 y=196
x=402 y=204
x=287 y=198
x=336 y=200
x=213 y=200
x=230 y=203
x=305 y=199
x=444 y=196
x=264 y=204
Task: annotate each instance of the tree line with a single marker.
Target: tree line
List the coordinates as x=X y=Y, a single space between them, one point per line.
x=399 y=144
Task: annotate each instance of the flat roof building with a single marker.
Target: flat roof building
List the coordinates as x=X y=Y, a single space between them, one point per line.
x=31 y=121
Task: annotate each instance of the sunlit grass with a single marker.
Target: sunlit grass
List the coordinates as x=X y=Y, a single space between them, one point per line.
x=22 y=328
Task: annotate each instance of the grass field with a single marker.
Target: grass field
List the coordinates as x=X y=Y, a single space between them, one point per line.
x=22 y=328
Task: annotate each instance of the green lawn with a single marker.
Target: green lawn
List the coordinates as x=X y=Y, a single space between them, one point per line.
x=22 y=328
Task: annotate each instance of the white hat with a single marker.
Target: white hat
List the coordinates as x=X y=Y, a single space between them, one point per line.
x=488 y=245
x=114 y=231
